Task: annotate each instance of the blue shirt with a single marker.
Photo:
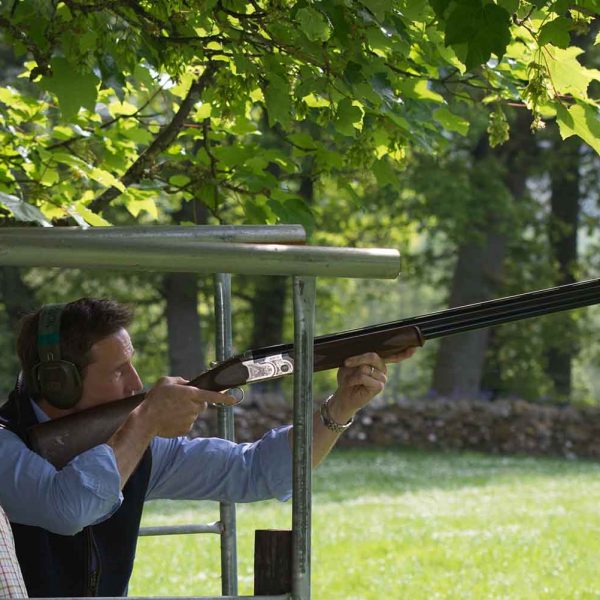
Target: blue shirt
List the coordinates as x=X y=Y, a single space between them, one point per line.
x=87 y=490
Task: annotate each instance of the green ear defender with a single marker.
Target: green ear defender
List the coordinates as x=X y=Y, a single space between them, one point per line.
x=57 y=381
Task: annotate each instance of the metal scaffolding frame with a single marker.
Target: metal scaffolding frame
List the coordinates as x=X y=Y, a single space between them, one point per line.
x=222 y=250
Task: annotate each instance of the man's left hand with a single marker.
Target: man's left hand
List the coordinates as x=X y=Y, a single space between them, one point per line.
x=360 y=379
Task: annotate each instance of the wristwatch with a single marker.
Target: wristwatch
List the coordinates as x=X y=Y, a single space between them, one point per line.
x=328 y=420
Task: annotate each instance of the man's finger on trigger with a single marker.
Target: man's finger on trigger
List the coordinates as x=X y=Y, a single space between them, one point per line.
x=225 y=399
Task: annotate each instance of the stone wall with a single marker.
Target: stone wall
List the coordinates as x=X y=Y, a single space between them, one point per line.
x=504 y=426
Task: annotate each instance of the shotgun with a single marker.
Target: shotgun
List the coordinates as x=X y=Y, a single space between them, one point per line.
x=59 y=440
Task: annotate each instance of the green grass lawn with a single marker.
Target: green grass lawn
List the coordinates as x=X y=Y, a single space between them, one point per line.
x=406 y=524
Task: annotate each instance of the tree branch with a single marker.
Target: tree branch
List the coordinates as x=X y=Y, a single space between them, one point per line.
x=43 y=68
x=161 y=142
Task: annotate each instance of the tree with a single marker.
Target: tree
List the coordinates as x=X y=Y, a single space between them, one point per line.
x=125 y=101
x=144 y=107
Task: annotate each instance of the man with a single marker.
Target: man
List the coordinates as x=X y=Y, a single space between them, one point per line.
x=11 y=580
x=76 y=528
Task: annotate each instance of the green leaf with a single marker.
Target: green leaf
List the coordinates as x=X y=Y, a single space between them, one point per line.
x=419 y=89
x=314 y=25
x=203 y=111
x=277 y=99
x=384 y=173
x=302 y=141
x=567 y=74
x=138 y=135
x=67 y=159
x=582 y=120
x=346 y=117
x=293 y=210
x=326 y=159
x=232 y=155
x=510 y=6
x=49 y=176
x=89 y=217
x=72 y=88
x=439 y=7
x=378 y=7
x=257 y=210
x=451 y=122
x=481 y=30
x=415 y=10
x=556 y=33
x=21 y=210
x=135 y=206
x=105 y=178
x=316 y=101
x=179 y=180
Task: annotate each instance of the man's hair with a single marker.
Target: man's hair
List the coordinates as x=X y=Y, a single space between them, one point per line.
x=82 y=323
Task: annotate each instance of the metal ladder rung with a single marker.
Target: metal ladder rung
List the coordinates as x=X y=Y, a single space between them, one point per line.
x=215 y=527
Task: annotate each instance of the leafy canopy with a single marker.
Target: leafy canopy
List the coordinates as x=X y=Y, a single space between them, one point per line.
x=145 y=104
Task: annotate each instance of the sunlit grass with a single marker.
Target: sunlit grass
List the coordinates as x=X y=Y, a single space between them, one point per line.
x=405 y=524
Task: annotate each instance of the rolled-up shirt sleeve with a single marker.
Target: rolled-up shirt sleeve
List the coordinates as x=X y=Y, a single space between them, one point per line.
x=216 y=469
x=33 y=492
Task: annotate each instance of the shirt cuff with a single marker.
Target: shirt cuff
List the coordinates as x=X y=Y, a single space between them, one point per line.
x=277 y=451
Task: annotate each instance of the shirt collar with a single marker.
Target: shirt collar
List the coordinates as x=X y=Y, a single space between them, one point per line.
x=40 y=415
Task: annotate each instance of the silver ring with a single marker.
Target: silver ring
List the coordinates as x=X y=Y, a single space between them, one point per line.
x=372 y=371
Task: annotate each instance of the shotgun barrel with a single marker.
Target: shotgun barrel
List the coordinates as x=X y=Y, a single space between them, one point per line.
x=61 y=439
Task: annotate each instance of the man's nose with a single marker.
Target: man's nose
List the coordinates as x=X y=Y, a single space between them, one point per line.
x=134 y=385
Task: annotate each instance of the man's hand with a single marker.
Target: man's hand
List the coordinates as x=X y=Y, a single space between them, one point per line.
x=171 y=407
x=359 y=381
x=168 y=410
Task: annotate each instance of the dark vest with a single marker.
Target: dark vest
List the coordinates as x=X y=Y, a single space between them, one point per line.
x=98 y=560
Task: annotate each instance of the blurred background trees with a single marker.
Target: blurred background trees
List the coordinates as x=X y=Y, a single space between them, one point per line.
x=465 y=133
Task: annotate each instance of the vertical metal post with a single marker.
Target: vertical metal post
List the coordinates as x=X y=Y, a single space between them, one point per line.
x=223 y=339
x=304 y=316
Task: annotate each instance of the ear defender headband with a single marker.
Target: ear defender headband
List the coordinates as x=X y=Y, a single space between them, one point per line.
x=57 y=381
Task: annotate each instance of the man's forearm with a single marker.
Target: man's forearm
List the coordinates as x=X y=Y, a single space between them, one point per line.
x=324 y=439
x=129 y=443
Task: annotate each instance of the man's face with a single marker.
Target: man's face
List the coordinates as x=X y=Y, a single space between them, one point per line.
x=110 y=374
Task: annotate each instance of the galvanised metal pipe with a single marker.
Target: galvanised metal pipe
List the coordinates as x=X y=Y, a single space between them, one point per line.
x=197 y=257
x=180 y=529
x=178 y=234
x=278 y=597
x=304 y=318
x=224 y=349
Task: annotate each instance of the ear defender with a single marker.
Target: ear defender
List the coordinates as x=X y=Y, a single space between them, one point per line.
x=57 y=381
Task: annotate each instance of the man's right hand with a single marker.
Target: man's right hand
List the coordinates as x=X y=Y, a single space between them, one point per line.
x=171 y=407
x=168 y=410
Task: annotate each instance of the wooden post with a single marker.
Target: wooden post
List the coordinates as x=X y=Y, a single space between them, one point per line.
x=272 y=562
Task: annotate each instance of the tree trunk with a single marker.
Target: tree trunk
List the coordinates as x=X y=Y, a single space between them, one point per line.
x=186 y=353
x=180 y=291
x=563 y=226
x=460 y=359
x=18 y=300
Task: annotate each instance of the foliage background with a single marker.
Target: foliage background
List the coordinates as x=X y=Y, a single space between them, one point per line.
x=459 y=131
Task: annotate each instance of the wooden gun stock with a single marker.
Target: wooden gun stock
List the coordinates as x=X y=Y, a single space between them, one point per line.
x=59 y=440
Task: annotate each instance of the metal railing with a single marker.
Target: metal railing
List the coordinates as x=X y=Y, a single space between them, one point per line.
x=229 y=249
